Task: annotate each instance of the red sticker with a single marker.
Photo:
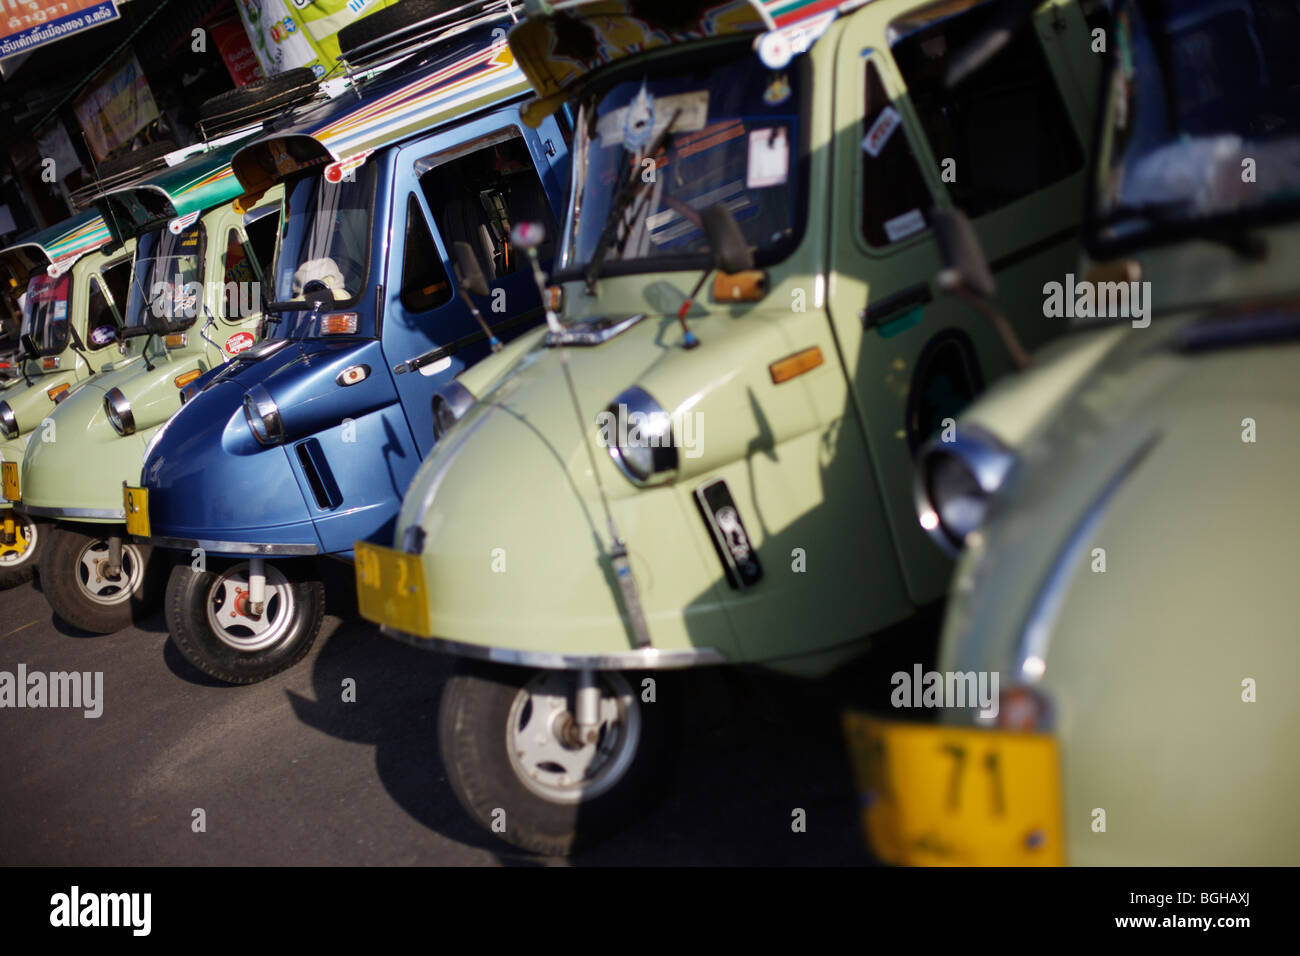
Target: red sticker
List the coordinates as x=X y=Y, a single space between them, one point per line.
x=238 y=342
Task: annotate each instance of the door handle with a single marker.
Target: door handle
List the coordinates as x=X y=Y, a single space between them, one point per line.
x=878 y=313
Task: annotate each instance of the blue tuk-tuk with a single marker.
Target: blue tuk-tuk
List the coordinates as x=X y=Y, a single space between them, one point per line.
x=395 y=272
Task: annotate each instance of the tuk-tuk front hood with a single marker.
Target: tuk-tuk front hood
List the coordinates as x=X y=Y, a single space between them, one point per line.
x=210 y=480
x=31 y=404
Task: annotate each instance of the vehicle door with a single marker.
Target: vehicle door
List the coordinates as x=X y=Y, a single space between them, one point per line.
x=467 y=185
x=1004 y=146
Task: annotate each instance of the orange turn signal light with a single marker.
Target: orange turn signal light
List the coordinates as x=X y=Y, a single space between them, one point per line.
x=555 y=298
x=794 y=365
x=57 y=392
x=176 y=340
x=51 y=361
x=339 y=323
x=185 y=378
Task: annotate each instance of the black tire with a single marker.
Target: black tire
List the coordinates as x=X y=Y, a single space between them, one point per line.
x=390 y=19
x=472 y=729
x=18 y=563
x=137 y=158
x=264 y=96
x=187 y=609
x=65 y=583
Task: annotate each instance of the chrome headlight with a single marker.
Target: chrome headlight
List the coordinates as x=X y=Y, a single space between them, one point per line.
x=954 y=481
x=639 y=435
x=263 y=416
x=449 y=403
x=8 y=422
x=119 y=414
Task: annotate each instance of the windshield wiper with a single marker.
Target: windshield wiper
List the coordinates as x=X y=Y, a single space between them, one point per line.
x=628 y=190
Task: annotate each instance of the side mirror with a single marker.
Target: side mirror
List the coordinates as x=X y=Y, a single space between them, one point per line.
x=468 y=271
x=966 y=273
x=731 y=253
x=964 y=264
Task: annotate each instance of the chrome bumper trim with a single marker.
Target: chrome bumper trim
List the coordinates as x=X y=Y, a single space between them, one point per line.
x=99 y=514
x=231 y=547
x=648 y=659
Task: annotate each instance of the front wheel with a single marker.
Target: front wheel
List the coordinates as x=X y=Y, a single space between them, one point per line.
x=85 y=590
x=21 y=541
x=517 y=762
x=213 y=624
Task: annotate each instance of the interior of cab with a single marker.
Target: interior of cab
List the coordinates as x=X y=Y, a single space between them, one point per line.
x=478 y=197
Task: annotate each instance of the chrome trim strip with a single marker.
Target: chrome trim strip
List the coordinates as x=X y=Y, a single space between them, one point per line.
x=1031 y=652
x=230 y=547
x=649 y=659
x=101 y=513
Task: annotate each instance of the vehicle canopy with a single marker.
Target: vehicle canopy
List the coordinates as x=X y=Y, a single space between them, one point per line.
x=448 y=81
x=560 y=44
x=54 y=250
x=175 y=197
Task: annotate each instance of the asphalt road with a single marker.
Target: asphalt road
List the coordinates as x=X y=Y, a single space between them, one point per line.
x=287 y=773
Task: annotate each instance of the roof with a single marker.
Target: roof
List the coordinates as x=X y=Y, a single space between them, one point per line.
x=59 y=246
x=453 y=82
x=561 y=43
x=202 y=182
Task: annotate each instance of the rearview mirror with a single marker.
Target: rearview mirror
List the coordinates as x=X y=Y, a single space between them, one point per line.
x=731 y=253
x=963 y=257
x=468 y=271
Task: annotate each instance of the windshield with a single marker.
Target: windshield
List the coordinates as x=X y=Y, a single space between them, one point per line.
x=166 y=293
x=325 y=250
x=45 y=312
x=1203 y=120
x=734 y=138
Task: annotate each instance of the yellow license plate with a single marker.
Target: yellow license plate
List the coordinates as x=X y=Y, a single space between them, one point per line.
x=9 y=485
x=935 y=796
x=390 y=589
x=136 y=503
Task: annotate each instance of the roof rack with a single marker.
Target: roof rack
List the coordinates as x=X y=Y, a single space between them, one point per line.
x=431 y=31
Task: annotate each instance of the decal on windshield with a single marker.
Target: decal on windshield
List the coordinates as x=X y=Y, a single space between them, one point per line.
x=769 y=158
x=643 y=120
x=880 y=131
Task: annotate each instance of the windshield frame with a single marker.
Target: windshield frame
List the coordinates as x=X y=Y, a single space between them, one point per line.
x=43 y=350
x=627 y=70
x=1096 y=241
x=283 y=309
x=157 y=324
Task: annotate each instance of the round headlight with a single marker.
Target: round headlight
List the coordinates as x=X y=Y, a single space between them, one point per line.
x=954 y=481
x=118 y=410
x=8 y=422
x=263 y=416
x=639 y=435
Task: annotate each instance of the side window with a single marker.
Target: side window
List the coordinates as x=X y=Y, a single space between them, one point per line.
x=107 y=300
x=262 y=235
x=1005 y=126
x=946 y=380
x=101 y=324
x=895 y=201
x=424 y=280
x=479 y=196
x=238 y=277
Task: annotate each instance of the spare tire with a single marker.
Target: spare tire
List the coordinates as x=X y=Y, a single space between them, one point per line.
x=388 y=20
x=266 y=95
x=146 y=154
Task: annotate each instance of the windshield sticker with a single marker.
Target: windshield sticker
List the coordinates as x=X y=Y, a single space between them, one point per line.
x=880 y=131
x=769 y=158
x=181 y=223
x=691 y=110
x=900 y=227
x=778 y=91
x=103 y=335
x=239 y=342
x=59 y=311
